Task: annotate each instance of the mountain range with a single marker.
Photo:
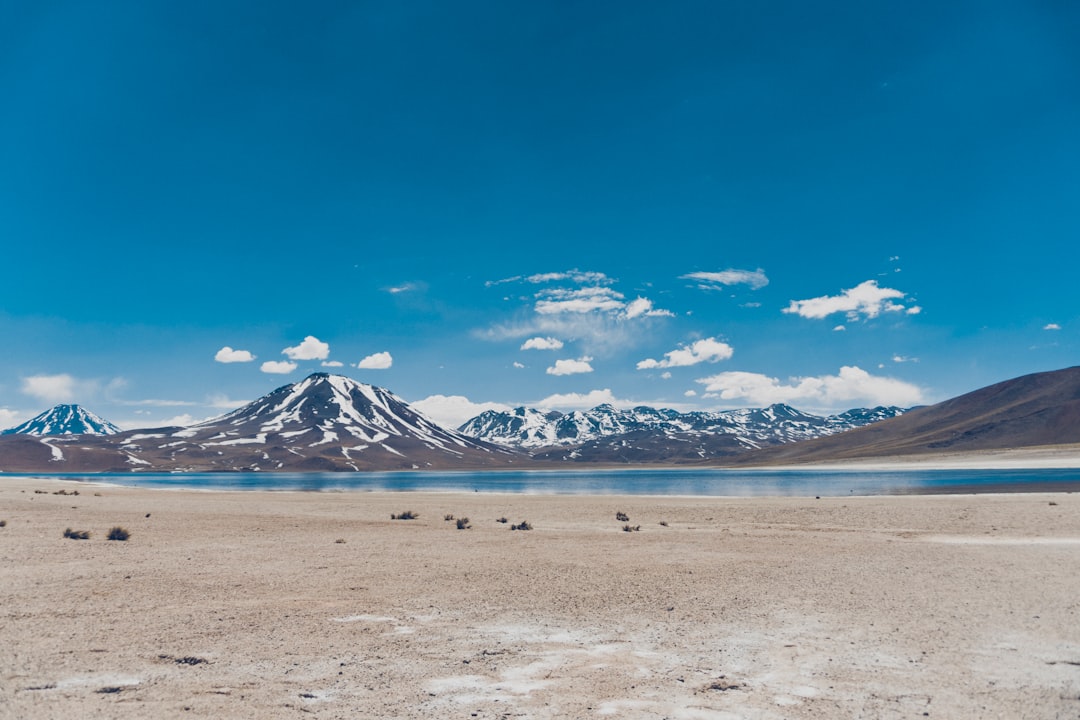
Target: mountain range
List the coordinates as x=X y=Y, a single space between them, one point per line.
x=333 y=423
x=645 y=434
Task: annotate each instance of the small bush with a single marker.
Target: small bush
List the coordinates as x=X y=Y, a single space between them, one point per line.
x=631 y=528
x=502 y=520
x=621 y=516
x=340 y=541
x=3 y=523
x=523 y=525
x=463 y=523
x=77 y=534
x=407 y=515
x=664 y=523
x=448 y=517
x=118 y=533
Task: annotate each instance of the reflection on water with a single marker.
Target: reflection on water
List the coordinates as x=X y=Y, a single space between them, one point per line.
x=630 y=481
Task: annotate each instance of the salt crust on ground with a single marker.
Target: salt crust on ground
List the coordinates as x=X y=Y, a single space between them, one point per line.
x=244 y=605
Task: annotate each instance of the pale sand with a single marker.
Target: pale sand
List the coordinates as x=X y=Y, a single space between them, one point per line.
x=872 y=607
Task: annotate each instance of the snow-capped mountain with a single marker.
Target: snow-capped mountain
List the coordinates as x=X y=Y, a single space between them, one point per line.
x=65 y=420
x=323 y=422
x=532 y=429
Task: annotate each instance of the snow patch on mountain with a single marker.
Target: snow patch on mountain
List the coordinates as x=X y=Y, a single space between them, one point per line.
x=528 y=428
x=65 y=420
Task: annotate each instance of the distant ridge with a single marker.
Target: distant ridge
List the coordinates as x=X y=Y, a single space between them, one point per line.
x=1033 y=410
x=643 y=434
x=323 y=423
x=65 y=420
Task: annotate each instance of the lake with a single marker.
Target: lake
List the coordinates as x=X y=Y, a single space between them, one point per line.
x=629 y=481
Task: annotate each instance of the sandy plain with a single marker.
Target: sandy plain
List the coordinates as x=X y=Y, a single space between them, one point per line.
x=283 y=605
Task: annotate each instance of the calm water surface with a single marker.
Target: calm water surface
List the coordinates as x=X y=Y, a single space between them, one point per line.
x=636 y=481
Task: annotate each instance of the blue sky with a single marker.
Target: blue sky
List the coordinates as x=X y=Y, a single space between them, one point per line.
x=688 y=204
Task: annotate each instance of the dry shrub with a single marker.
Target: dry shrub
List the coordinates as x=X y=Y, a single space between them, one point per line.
x=118 y=533
x=77 y=534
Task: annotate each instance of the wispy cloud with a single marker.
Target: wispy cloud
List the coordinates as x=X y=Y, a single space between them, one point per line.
x=228 y=355
x=571 y=367
x=852 y=385
x=724 y=278
x=1051 y=326
x=865 y=300
x=574 y=276
x=332 y=363
x=578 y=306
x=705 y=350
x=403 y=288
x=376 y=361
x=581 y=300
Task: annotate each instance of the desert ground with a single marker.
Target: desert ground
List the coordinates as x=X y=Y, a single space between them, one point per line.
x=284 y=605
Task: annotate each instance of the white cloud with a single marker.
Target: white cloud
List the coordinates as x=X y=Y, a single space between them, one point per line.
x=278 y=367
x=579 y=401
x=704 y=350
x=666 y=375
x=571 y=367
x=310 y=349
x=228 y=355
x=839 y=328
x=51 y=388
x=1052 y=326
x=717 y=280
x=224 y=402
x=644 y=307
x=576 y=276
x=404 y=287
x=332 y=363
x=11 y=418
x=864 y=300
x=542 y=343
x=690 y=393
x=582 y=300
x=518 y=365
x=376 y=361
x=453 y=410
x=576 y=306
x=904 y=359
x=851 y=386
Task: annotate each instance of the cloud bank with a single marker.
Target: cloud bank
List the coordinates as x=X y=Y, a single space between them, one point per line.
x=452 y=411
x=851 y=386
